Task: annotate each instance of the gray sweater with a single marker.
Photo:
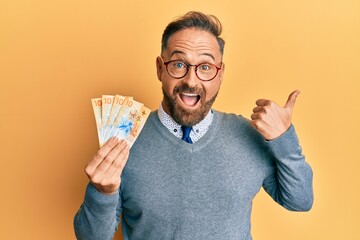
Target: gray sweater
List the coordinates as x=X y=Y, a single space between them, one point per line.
x=171 y=189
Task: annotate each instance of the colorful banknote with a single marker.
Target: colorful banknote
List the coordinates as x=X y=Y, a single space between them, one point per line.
x=120 y=116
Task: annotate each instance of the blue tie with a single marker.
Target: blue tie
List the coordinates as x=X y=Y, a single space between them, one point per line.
x=186 y=134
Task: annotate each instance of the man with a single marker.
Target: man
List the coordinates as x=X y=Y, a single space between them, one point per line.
x=193 y=172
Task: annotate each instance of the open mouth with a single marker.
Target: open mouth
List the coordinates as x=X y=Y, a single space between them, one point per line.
x=189 y=99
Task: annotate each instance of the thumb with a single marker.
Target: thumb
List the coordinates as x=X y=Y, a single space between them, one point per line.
x=292 y=99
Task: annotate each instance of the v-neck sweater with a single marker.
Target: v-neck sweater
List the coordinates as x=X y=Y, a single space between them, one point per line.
x=171 y=189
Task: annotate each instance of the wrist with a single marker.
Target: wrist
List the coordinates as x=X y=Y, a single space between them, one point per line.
x=106 y=190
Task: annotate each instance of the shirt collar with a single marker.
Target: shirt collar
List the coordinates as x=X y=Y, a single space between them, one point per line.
x=196 y=133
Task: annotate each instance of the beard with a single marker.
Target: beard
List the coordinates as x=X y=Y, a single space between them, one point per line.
x=183 y=116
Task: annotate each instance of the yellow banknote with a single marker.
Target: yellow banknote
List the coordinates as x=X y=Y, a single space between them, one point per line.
x=120 y=116
x=124 y=120
x=97 y=109
x=107 y=102
x=115 y=109
x=139 y=120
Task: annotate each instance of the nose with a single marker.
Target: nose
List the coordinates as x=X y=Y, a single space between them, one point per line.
x=191 y=78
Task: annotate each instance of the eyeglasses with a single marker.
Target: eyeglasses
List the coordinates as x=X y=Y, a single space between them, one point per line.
x=204 y=71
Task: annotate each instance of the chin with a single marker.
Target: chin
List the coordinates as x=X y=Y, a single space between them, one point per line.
x=188 y=116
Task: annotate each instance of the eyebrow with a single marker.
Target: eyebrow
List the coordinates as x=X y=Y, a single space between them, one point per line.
x=181 y=52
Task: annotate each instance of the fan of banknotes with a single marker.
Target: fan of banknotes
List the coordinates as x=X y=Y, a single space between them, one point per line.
x=120 y=116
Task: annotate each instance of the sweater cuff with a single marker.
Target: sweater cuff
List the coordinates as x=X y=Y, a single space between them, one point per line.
x=96 y=199
x=286 y=145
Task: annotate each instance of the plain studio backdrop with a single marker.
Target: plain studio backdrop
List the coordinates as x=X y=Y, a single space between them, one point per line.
x=57 y=55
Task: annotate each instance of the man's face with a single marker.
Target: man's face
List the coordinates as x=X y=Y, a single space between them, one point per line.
x=189 y=99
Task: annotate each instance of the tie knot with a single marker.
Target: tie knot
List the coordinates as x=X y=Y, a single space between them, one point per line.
x=186 y=134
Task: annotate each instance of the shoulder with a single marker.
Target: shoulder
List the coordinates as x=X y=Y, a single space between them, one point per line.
x=233 y=121
x=238 y=129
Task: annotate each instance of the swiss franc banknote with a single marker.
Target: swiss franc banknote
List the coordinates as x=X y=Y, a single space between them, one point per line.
x=119 y=116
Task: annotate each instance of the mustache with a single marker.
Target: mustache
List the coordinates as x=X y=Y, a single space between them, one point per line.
x=186 y=88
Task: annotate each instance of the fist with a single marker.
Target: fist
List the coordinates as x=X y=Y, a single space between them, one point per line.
x=272 y=120
x=105 y=168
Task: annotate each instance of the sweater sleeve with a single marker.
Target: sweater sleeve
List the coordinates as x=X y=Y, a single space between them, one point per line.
x=290 y=184
x=98 y=216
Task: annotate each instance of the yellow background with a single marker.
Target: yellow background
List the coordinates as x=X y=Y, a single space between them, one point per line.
x=56 y=55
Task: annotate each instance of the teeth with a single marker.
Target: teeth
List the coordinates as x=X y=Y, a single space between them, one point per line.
x=190 y=94
x=190 y=99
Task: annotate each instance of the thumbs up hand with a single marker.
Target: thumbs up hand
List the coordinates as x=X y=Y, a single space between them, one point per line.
x=272 y=120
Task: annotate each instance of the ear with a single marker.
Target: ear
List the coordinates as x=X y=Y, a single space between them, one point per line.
x=221 y=73
x=159 y=67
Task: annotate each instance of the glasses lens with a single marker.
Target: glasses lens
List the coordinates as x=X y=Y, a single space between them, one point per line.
x=206 y=71
x=177 y=69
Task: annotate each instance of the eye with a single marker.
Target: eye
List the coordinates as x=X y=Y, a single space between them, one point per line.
x=205 y=67
x=179 y=65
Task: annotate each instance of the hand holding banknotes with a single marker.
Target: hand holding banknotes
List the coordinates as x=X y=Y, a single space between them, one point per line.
x=119 y=120
x=272 y=120
x=105 y=168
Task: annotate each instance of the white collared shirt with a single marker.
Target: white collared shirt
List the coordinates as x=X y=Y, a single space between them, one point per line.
x=197 y=131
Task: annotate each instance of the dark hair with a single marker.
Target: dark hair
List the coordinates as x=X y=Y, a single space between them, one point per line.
x=197 y=20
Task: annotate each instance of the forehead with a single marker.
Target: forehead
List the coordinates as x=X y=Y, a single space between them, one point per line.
x=193 y=41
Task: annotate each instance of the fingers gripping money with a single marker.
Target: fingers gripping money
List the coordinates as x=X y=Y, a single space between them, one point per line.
x=119 y=121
